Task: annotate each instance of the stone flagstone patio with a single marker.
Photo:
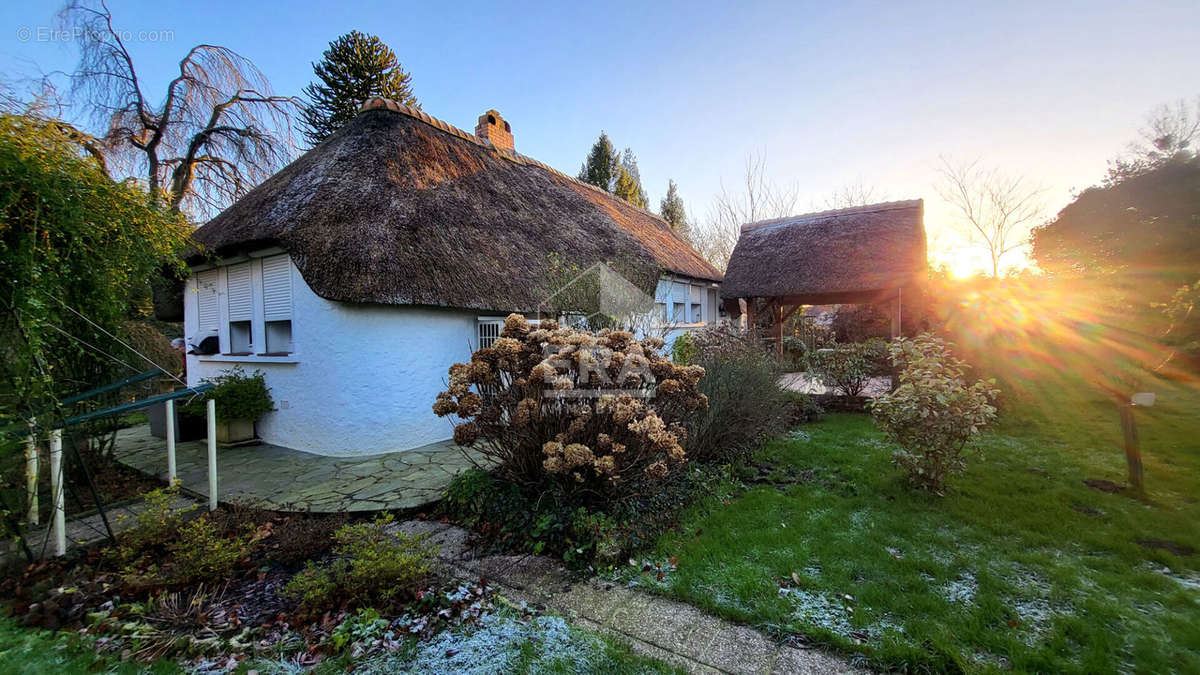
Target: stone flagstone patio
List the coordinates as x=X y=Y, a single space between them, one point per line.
x=290 y=480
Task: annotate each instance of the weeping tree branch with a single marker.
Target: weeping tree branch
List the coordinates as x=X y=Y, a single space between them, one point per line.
x=218 y=107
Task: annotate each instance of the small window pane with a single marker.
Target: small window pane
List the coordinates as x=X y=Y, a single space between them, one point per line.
x=279 y=337
x=696 y=313
x=240 y=340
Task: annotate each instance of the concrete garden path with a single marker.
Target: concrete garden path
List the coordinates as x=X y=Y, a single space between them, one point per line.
x=290 y=480
x=671 y=631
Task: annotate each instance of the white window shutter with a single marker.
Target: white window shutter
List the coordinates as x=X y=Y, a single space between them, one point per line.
x=206 y=302
x=277 y=288
x=239 y=293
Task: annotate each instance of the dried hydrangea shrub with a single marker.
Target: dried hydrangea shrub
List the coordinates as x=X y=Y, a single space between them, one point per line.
x=602 y=416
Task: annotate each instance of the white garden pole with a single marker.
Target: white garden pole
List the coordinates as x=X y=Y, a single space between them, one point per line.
x=212 y=455
x=31 y=476
x=57 y=491
x=171 y=441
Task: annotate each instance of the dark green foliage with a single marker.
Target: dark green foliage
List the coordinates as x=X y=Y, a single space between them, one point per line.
x=355 y=67
x=508 y=519
x=746 y=405
x=238 y=396
x=1139 y=231
x=673 y=211
x=373 y=567
x=600 y=167
x=73 y=244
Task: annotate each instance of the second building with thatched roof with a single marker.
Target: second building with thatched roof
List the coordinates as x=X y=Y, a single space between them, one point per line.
x=356 y=275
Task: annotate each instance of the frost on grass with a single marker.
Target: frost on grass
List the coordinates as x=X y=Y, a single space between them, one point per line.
x=495 y=646
x=1190 y=582
x=833 y=612
x=1032 y=605
x=819 y=609
x=800 y=435
x=962 y=590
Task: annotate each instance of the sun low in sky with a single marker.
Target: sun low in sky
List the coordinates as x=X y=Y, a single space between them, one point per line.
x=827 y=93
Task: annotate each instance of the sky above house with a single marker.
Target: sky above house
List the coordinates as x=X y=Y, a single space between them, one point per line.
x=828 y=94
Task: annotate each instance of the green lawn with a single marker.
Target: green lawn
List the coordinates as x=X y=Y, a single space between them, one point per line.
x=1020 y=566
x=23 y=650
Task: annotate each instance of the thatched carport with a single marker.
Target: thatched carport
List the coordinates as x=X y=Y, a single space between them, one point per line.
x=863 y=255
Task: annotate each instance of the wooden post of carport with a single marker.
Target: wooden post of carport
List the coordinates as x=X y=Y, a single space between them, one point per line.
x=897 y=312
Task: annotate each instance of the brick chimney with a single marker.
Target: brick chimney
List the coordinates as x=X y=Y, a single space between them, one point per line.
x=492 y=127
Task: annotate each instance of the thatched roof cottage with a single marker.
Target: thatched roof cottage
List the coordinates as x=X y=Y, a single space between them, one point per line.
x=865 y=254
x=356 y=275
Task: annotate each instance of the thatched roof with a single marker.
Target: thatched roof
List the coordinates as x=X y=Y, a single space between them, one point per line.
x=397 y=207
x=845 y=253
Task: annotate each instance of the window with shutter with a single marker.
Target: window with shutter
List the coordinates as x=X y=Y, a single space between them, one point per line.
x=239 y=296
x=208 y=313
x=489 y=331
x=277 y=304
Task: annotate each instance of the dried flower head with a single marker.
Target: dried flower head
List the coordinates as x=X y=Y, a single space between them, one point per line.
x=466 y=433
x=578 y=454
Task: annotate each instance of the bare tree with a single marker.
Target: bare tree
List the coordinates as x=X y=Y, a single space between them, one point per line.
x=1170 y=132
x=997 y=210
x=755 y=199
x=218 y=131
x=854 y=194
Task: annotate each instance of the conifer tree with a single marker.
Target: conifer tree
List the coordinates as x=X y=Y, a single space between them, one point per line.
x=628 y=183
x=600 y=167
x=356 y=67
x=672 y=210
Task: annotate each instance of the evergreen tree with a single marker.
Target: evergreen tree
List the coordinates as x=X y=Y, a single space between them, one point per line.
x=672 y=209
x=600 y=167
x=356 y=67
x=628 y=183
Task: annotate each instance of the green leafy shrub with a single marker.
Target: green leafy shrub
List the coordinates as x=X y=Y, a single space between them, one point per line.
x=373 y=567
x=586 y=419
x=847 y=369
x=684 y=350
x=934 y=413
x=203 y=552
x=239 y=396
x=154 y=526
x=746 y=404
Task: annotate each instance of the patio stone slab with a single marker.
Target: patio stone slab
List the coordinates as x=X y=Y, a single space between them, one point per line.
x=284 y=479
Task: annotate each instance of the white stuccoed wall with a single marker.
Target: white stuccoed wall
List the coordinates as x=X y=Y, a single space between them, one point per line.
x=364 y=377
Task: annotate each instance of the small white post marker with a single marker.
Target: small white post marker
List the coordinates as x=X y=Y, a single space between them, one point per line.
x=171 y=441
x=57 y=489
x=31 y=475
x=212 y=455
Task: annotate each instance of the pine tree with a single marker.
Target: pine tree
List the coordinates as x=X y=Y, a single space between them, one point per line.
x=672 y=209
x=356 y=67
x=628 y=183
x=600 y=167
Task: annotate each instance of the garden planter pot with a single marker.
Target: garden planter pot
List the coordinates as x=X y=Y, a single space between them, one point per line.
x=235 y=431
